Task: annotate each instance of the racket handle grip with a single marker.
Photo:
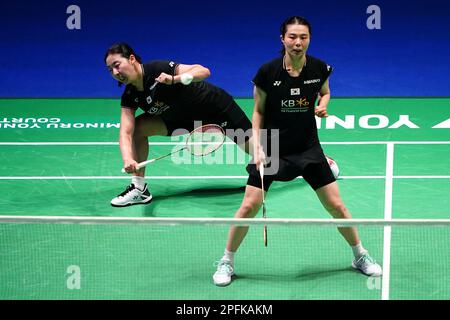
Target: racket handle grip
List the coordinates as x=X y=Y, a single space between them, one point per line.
x=144 y=163
x=141 y=164
x=261 y=170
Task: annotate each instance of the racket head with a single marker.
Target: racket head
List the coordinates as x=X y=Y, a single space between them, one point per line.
x=205 y=139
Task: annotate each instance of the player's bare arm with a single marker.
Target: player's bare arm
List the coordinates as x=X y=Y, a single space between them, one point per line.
x=192 y=73
x=257 y=123
x=324 y=99
x=127 y=121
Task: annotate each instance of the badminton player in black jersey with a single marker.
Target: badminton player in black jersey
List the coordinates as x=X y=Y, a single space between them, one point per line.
x=285 y=94
x=169 y=105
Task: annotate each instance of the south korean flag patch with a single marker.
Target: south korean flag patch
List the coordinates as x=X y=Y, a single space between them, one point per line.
x=295 y=91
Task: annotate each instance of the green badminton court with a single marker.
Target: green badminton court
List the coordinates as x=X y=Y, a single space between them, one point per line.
x=60 y=157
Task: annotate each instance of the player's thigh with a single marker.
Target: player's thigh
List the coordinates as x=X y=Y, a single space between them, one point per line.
x=147 y=126
x=330 y=198
x=252 y=201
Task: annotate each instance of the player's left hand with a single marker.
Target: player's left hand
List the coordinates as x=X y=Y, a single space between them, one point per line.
x=321 y=111
x=164 y=78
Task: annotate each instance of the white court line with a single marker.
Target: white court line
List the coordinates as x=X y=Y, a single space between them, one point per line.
x=387 y=216
x=329 y=222
x=119 y=177
x=193 y=177
x=421 y=177
x=89 y=143
x=387 y=142
x=182 y=142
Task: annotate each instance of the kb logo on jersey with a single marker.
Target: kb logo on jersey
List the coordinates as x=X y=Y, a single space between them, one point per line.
x=300 y=105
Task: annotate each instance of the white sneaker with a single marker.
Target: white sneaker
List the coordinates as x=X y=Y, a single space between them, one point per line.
x=367 y=265
x=224 y=272
x=131 y=196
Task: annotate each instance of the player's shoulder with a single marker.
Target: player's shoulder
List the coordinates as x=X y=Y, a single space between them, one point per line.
x=159 y=63
x=272 y=64
x=154 y=67
x=128 y=91
x=316 y=63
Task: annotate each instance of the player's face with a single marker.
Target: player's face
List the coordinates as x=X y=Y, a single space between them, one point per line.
x=296 y=40
x=121 y=68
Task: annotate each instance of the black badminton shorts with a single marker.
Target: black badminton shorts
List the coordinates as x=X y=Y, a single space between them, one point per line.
x=311 y=165
x=233 y=120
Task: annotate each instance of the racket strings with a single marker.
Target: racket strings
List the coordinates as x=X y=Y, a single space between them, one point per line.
x=205 y=140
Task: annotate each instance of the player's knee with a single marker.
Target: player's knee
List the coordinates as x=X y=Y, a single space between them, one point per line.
x=249 y=209
x=337 y=210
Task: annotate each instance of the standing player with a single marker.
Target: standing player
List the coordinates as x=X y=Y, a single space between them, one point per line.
x=285 y=94
x=173 y=96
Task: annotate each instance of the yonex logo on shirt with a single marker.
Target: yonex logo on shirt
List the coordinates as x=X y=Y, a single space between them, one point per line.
x=277 y=83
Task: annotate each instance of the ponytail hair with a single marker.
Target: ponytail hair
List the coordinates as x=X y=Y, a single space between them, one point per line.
x=123 y=49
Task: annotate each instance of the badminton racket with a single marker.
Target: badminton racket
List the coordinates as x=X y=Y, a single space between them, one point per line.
x=200 y=142
x=261 y=174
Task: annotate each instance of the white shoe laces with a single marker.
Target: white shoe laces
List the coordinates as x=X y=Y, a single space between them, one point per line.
x=224 y=267
x=365 y=259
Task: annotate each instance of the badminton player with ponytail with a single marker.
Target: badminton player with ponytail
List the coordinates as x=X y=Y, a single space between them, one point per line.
x=285 y=94
x=173 y=96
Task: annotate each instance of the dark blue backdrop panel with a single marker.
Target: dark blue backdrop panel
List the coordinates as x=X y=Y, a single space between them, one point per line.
x=408 y=56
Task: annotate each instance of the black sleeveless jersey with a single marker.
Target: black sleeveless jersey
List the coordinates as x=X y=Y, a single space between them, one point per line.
x=175 y=102
x=290 y=102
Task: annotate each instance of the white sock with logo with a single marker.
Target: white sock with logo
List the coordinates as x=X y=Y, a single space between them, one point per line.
x=139 y=182
x=358 y=250
x=228 y=256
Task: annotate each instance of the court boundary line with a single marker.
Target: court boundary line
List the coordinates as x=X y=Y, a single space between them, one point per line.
x=326 y=222
x=196 y=177
x=388 y=195
x=169 y=143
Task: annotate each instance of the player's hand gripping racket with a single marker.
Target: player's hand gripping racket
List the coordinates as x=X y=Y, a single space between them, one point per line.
x=261 y=174
x=200 y=142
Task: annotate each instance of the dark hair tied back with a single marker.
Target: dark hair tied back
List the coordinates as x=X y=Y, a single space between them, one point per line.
x=123 y=49
x=293 y=20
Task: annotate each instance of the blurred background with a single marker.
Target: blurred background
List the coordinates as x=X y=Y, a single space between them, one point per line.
x=43 y=55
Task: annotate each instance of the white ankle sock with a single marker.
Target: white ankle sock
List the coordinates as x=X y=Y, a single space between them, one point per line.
x=229 y=256
x=139 y=182
x=358 y=250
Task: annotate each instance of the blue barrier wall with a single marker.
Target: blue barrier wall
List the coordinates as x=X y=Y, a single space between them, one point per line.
x=41 y=57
